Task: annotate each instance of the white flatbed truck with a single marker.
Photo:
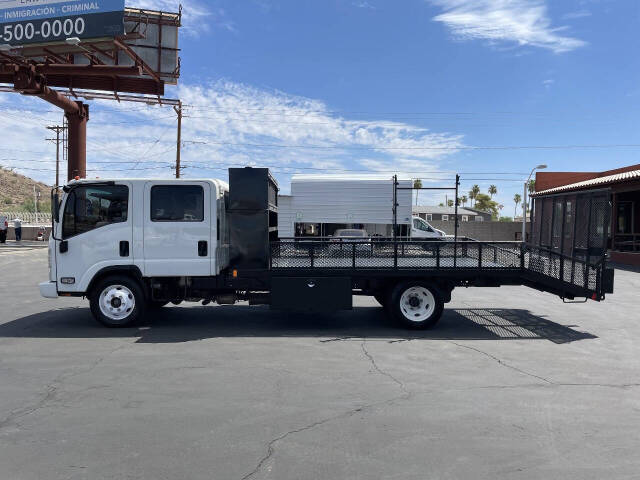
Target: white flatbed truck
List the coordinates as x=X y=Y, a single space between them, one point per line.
x=134 y=245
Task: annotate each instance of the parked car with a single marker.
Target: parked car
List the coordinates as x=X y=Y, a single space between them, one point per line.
x=343 y=237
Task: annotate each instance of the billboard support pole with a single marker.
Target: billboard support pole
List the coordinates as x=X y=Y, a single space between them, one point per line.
x=28 y=82
x=77 y=135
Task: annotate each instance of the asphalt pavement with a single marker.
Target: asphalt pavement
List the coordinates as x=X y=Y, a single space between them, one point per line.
x=512 y=384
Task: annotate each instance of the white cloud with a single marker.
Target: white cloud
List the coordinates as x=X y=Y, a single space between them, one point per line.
x=227 y=124
x=525 y=22
x=365 y=5
x=576 y=15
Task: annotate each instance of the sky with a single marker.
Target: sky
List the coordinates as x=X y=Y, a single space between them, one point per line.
x=423 y=88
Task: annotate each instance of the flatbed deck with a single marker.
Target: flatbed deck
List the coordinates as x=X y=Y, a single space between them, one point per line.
x=468 y=261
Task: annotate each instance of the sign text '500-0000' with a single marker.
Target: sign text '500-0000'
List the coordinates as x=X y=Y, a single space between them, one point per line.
x=44 y=21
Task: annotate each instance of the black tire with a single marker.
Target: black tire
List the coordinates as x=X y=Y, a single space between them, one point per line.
x=416 y=304
x=117 y=301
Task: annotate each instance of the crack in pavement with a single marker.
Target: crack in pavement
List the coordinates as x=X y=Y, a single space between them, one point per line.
x=271 y=445
x=339 y=339
x=546 y=380
x=271 y=448
x=382 y=372
x=503 y=363
x=51 y=391
x=603 y=385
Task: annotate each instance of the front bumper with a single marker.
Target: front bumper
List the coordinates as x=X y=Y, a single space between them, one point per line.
x=49 y=289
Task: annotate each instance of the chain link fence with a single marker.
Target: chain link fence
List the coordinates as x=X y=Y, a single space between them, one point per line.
x=28 y=217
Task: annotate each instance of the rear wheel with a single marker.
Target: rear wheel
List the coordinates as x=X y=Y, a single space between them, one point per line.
x=117 y=301
x=416 y=304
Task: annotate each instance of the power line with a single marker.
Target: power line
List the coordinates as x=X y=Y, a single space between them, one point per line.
x=287 y=110
x=454 y=148
x=351 y=170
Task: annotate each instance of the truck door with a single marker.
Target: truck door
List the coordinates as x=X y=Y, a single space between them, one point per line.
x=177 y=229
x=96 y=232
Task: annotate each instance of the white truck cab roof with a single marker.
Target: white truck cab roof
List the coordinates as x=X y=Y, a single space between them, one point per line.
x=222 y=185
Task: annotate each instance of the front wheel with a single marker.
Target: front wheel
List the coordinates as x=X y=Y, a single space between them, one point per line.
x=416 y=304
x=117 y=301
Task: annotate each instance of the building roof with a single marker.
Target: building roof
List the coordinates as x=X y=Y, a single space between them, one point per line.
x=443 y=210
x=594 y=182
x=344 y=177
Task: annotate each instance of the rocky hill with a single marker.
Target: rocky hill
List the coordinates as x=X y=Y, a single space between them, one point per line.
x=16 y=192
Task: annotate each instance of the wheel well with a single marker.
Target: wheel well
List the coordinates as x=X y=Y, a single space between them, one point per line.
x=444 y=287
x=130 y=271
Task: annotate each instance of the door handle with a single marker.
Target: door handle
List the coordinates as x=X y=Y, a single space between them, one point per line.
x=202 y=248
x=124 y=248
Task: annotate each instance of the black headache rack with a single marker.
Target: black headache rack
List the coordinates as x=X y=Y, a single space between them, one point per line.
x=470 y=262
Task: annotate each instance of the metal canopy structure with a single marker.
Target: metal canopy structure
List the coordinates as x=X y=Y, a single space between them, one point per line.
x=396 y=187
x=130 y=67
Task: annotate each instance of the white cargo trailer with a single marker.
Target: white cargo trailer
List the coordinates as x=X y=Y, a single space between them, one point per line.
x=320 y=204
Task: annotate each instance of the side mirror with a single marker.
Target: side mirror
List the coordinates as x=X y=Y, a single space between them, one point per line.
x=55 y=207
x=64 y=246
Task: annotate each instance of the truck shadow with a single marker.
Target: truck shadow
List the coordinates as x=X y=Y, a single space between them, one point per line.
x=184 y=324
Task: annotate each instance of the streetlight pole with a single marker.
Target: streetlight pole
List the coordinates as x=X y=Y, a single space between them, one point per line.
x=524 y=200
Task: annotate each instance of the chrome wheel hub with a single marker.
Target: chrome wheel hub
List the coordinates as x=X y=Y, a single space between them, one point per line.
x=117 y=302
x=417 y=304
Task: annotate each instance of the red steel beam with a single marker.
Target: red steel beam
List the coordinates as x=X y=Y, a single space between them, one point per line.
x=89 y=70
x=142 y=86
x=136 y=58
x=59 y=100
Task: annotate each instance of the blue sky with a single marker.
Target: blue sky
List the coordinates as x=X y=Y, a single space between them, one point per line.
x=409 y=86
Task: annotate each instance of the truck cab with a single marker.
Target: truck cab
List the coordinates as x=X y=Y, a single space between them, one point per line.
x=421 y=229
x=145 y=228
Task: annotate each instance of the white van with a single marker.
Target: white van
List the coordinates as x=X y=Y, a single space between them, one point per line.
x=421 y=229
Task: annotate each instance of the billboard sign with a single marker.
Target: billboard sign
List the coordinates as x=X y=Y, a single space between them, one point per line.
x=25 y=22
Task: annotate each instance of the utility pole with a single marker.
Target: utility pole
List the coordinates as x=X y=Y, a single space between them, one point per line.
x=58 y=129
x=178 y=111
x=35 y=202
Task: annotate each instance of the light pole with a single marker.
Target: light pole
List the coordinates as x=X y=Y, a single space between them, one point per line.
x=524 y=200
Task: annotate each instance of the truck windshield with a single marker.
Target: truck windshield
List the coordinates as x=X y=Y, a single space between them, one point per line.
x=420 y=225
x=91 y=207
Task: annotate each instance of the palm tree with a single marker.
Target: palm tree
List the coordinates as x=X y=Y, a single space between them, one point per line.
x=517 y=199
x=464 y=200
x=492 y=191
x=531 y=188
x=473 y=193
x=449 y=203
x=417 y=184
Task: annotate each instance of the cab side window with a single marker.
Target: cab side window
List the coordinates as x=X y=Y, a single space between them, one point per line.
x=91 y=207
x=177 y=203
